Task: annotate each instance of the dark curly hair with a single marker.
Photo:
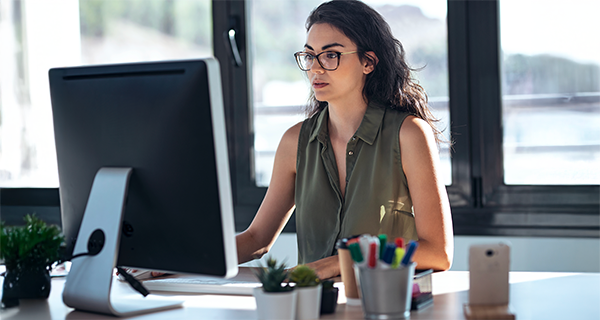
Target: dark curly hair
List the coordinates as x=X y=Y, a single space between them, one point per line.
x=391 y=81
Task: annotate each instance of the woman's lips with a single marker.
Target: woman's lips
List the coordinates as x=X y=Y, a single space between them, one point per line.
x=319 y=85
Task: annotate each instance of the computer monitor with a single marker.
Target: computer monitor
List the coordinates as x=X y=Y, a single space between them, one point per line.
x=165 y=121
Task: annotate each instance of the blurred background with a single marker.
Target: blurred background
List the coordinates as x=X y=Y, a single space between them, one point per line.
x=550 y=74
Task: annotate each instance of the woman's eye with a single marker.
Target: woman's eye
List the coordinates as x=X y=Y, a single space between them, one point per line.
x=331 y=55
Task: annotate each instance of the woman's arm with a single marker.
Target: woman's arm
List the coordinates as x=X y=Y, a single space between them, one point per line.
x=278 y=204
x=433 y=219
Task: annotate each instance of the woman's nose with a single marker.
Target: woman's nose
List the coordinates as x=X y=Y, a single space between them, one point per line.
x=316 y=68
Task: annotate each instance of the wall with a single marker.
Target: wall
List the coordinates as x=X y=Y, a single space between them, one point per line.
x=527 y=253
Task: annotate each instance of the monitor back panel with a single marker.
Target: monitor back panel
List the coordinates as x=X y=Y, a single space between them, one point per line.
x=155 y=118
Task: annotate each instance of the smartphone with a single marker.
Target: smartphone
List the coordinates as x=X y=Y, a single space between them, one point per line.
x=488 y=274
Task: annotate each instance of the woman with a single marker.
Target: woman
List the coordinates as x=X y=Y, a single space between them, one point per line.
x=369 y=139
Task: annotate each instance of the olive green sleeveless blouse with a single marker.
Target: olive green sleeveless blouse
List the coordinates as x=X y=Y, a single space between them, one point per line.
x=377 y=198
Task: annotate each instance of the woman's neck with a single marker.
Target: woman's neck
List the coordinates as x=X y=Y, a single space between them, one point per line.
x=345 y=118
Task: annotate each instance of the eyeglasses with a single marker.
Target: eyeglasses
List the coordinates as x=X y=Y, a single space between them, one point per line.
x=329 y=60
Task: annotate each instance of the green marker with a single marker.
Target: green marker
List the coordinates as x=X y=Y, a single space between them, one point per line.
x=382 y=243
x=355 y=252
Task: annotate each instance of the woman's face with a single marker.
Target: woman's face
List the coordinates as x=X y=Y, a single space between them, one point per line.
x=347 y=81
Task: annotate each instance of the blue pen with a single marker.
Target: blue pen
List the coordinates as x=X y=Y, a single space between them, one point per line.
x=388 y=253
x=412 y=246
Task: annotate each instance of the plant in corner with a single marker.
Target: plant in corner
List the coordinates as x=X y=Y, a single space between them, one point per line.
x=274 y=300
x=304 y=276
x=273 y=276
x=308 y=286
x=28 y=253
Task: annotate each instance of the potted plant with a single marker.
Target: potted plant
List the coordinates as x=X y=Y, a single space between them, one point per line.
x=329 y=297
x=274 y=300
x=308 y=286
x=28 y=253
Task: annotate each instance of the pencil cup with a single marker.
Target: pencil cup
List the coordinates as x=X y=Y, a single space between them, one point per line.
x=386 y=293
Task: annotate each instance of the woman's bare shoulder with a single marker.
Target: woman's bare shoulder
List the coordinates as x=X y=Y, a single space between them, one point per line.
x=288 y=148
x=290 y=137
x=416 y=131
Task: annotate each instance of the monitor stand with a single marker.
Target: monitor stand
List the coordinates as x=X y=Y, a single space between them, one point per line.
x=88 y=285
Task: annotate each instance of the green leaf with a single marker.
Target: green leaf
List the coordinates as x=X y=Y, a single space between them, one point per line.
x=34 y=245
x=304 y=276
x=273 y=276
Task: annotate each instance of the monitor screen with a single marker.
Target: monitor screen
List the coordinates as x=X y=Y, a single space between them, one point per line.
x=164 y=120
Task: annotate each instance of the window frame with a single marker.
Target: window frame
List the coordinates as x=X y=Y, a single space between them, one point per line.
x=481 y=203
x=495 y=208
x=238 y=109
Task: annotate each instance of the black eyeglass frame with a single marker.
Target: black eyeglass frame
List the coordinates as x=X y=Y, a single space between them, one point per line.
x=339 y=54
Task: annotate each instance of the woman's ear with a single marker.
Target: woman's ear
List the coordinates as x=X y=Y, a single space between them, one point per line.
x=370 y=62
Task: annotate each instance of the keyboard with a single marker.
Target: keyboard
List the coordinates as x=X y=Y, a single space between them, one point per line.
x=202 y=284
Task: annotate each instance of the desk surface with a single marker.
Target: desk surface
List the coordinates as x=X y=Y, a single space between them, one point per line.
x=533 y=295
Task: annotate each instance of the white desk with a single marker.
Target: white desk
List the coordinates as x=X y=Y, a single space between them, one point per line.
x=543 y=296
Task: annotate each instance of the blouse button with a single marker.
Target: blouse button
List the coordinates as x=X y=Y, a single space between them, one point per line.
x=350 y=153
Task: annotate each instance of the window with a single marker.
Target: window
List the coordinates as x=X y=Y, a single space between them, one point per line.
x=550 y=93
x=89 y=32
x=279 y=89
x=86 y=32
x=34 y=43
x=483 y=197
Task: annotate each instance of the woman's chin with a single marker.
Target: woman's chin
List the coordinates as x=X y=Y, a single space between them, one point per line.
x=320 y=97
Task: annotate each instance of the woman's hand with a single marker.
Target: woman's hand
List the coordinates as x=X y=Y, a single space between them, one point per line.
x=142 y=275
x=327 y=267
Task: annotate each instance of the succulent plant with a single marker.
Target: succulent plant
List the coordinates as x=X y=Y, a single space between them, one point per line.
x=273 y=276
x=304 y=276
x=35 y=245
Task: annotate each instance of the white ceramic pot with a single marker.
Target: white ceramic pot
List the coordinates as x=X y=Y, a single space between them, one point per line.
x=275 y=305
x=309 y=302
